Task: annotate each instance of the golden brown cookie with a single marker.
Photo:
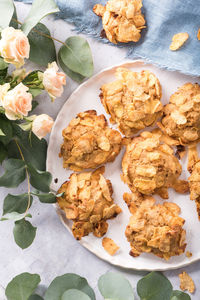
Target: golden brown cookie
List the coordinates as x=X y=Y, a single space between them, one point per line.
x=150 y=167
x=87 y=200
x=122 y=20
x=194 y=182
x=133 y=100
x=181 y=119
x=154 y=228
x=89 y=142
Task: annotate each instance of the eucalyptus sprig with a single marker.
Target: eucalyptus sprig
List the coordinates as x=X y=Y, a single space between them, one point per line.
x=112 y=286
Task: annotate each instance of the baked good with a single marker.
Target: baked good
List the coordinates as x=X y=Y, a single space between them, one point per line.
x=89 y=142
x=194 y=182
x=87 y=201
x=133 y=100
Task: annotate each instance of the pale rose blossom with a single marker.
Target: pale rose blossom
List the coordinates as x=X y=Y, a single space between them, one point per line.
x=3 y=91
x=17 y=102
x=42 y=125
x=14 y=46
x=53 y=81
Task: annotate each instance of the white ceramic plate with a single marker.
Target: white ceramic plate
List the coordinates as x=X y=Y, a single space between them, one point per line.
x=86 y=97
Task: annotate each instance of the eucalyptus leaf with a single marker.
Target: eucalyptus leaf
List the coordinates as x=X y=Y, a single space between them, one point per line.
x=14 y=173
x=40 y=180
x=3 y=64
x=6 y=127
x=14 y=216
x=76 y=55
x=22 y=286
x=13 y=22
x=3 y=153
x=74 y=295
x=2 y=133
x=75 y=76
x=16 y=203
x=35 y=297
x=39 y=10
x=66 y=282
x=34 y=150
x=24 y=233
x=178 y=295
x=42 y=48
x=7 y=10
x=114 y=286
x=46 y=198
x=154 y=286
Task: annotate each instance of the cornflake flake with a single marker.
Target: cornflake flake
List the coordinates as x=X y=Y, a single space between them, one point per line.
x=178 y=40
x=110 y=246
x=186 y=283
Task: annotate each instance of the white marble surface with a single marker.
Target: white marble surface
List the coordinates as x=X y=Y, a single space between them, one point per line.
x=54 y=251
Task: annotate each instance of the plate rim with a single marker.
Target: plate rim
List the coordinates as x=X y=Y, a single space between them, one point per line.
x=124 y=63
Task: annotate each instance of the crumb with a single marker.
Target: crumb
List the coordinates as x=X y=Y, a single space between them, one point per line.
x=188 y=254
x=178 y=40
x=186 y=283
x=198 y=34
x=56 y=180
x=110 y=246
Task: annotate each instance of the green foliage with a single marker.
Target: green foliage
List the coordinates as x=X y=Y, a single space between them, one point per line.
x=6 y=127
x=14 y=173
x=3 y=64
x=35 y=297
x=14 y=216
x=42 y=48
x=46 y=198
x=7 y=10
x=39 y=10
x=114 y=286
x=74 y=295
x=76 y=55
x=66 y=282
x=3 y=152
x=22 y=286
x=39 y=179
x=154 y=286
x=178 y=295
x=13 y=22
x=16 y=203
x=24 y=233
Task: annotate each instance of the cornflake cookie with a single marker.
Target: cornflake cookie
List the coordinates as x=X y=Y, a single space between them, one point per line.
x=110 y=246
x=89 y=142
x=150 y=167
x=133 y=100
x=122 y=20
x=181 y=119
x=198 y=34
x=178 y=40
x=194 y=182
x=186 y=283
x=155 y=229
x=87 y=200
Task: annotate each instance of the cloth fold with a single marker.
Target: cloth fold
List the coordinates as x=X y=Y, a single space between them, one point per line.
x=164 y=19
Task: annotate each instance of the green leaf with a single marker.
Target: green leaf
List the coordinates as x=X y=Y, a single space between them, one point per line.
x=178 y=295
x=34 y=102
x=24 y=233
x=76 y=55
x=16 y=203
x=75 y=76
x=1 y=133
x=35 y=92
x=3 y=64
x=3 y=153
x=74 y=295
x=25 y=126
x=22 y=286
x=6 y=127
x=40 y=180
x=14 y=173
x=114 y=286
x=66 y=282
x=42 y=49
x=13 y=23
x=34 y=151
x=39 y=10
x=46 y=198
x=154 y=286
x=14 y=216
x=35 y=297
x=7 y=10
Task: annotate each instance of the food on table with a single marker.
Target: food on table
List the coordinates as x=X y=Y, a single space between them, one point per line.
x=89 y=142
x=181 y=120
x=193 y=157
x=122 y=20
x=133 y=100
x=194 y=182
x=87 y=200
x=110 y=246
x=150 y=166
x=198 y=34
x=188 y=254
x=154 y=228
x=178 y=40
x=186 y=283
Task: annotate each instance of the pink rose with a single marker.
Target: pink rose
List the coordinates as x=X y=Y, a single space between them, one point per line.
x=53 y=81
x=17 y=102
x=42 y=125
x=14 y=46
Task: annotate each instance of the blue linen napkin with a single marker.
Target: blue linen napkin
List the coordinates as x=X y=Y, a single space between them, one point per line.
x=164 y=19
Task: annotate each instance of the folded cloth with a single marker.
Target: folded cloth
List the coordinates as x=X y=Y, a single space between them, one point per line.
x=164 y=19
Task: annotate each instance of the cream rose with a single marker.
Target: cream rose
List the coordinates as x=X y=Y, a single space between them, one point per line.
x=14 y=46
x=42 y=125
x=17 y=102
x=53 y=81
